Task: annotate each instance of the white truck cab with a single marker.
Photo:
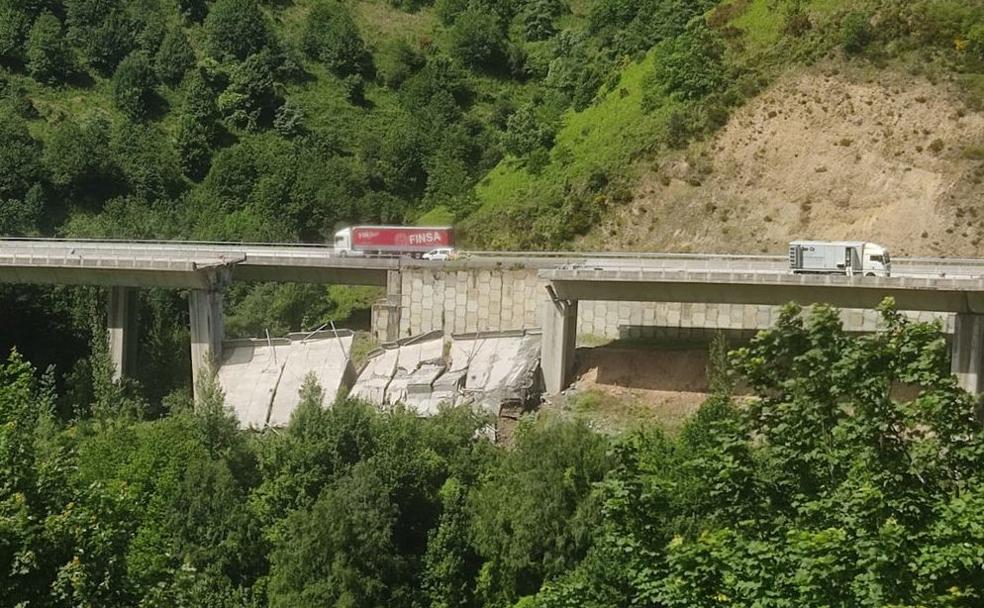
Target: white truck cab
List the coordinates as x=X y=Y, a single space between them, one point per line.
x=343 y=243
x=840 y=257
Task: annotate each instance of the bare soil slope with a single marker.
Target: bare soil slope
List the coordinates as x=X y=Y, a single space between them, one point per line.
x=618 y=389
x=836 y=152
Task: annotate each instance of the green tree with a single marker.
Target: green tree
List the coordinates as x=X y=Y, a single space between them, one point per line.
x=451 y=563
x=341 y=552
x=20 y=158
x=397 y=61
x=174 y=57
x=478 y=39
x=573 y=71
x=78 y=157
x=251 y=100
x=199 y=102
x=401 y=160
x=232 y=176
x=48 y=55
x=331 y=36
x=102 y=30
x=527 y=132
x=22 y=217
x=289 y=121
x=448 y=10
x=539 y=18
x=236 y=28
x=149 y=164
x=627 y=28
x=194 y=10
x=34 y=481
x=856 y=33
x=539 y=494
x=134 y=86
x=15 y=22
x=690 y=66
x=319 y=445
x=192 y=145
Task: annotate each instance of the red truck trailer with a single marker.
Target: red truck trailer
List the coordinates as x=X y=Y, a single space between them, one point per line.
x=393 y=240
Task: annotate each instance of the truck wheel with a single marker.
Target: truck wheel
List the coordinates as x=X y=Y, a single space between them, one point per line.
x=870 y=274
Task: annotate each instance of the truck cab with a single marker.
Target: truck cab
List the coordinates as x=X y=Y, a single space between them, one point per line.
x=876 y=261
x=343 y=243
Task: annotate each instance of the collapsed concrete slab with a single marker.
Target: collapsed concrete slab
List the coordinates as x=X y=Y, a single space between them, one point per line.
x=486 y=370
x=501 y=368
x=384 y=379
x=262 y=378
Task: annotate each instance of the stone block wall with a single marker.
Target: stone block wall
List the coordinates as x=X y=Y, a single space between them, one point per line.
x=482 y=299
x=469 y=301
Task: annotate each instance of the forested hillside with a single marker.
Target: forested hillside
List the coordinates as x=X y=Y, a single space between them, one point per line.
x=249 y=120
x=832 y=487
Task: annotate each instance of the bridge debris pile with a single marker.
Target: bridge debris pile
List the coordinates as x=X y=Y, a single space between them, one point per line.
x=488 y=370
x=261 y=378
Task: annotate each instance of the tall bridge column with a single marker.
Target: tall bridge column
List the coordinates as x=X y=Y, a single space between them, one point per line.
x=207 y=330
x=121 y=313
x=968 y=352
x=558 y=342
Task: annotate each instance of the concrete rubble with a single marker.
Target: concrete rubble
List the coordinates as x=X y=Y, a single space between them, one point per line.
x=262 y=378
x=492 y=371
x=488 y=370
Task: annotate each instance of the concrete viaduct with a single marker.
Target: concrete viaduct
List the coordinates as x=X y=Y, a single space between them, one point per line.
x=488 y=291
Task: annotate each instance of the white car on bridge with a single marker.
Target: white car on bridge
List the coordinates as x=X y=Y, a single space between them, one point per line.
x=441 y=254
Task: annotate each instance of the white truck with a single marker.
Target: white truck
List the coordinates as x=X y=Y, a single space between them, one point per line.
x=839 y=257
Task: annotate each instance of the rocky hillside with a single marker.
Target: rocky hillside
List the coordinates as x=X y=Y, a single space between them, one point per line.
x=835 y=151
x=818 y=119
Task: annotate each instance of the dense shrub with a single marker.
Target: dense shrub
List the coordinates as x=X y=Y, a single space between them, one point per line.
x=199 y=101
x=690 y=66
x=20 y=158
x=15 y=23
x=48 y=57
x=539 y=16
x=527 y=131
x=397 y=61
x=174 y=57
x=194 y=10
x=236 y=28
x=573 y=70
x=331 y=36
x=629 y=27
x=478 y=39
x=448 y=10
x=975 y=41
x=192 y=143
x=133 y=86
x=250 y=101
x=102 y=30
x=77 y=156
x=856 y=33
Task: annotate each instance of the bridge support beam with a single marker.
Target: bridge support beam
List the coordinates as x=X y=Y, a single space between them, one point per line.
x=121 y=325
x=558 y=342
x=207 y=331
x=968 y=352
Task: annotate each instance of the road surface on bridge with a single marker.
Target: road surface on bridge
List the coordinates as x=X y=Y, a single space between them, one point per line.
x=302 y=262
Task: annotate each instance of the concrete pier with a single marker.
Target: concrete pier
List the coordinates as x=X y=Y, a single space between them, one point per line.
x=121 y=325
x=387 y=311
x=968 y=352
x=557 y=346
x=207 y=330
